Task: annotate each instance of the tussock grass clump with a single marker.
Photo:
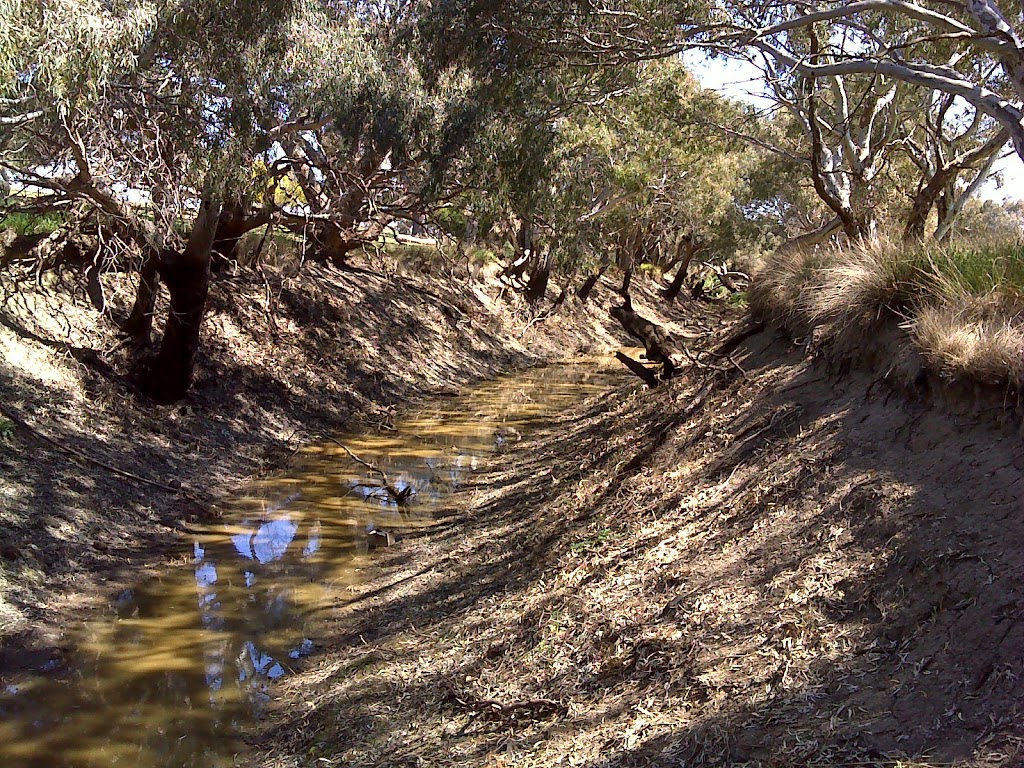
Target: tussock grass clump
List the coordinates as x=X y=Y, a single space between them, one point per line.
x=962 y=303
x=780 y=283
x=972 y=342
x=859 y=284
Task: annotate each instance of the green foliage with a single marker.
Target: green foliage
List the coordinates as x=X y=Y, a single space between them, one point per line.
x=30 y=224
x=738 y=299
x=452 y=221
x=6 y=428
x=979 y=268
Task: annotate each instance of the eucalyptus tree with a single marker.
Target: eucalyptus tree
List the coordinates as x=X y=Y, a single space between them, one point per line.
x=970 y=49
x=857 y=121
x=132 y=112
x=955 y=148
x=849 y=72
x=656 y=187
x=631 y=177
x=132 y=115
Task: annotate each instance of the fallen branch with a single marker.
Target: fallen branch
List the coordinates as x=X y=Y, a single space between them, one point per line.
x=493 y=709
x=17 y=419
x=710 y=367
x=641 y=370
x=399 y=496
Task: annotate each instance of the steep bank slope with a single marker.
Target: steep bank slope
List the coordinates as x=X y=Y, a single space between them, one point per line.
x=94 y=483
x=775 y=568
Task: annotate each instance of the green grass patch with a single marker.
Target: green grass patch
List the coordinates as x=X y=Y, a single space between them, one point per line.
x=593 y=542
x=981 y=269
x=31 y=224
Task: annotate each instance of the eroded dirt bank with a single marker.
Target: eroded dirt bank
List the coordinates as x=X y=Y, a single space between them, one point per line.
x=284 y=361
x=774 y=568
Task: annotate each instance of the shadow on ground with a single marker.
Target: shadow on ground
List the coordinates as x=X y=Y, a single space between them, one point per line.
x=761 y=569
x=283 y=363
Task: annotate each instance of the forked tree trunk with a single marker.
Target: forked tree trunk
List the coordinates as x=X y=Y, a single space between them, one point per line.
x=924 y=201
x=167 y=377
x=671 y=293
x=233 y=224
x=139 y=325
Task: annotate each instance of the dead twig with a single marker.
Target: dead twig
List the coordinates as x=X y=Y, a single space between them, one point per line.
x=17 y=419
x=491 y=709
x=400 y=496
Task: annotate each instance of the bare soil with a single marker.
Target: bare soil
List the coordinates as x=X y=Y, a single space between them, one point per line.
x=792 y=565
x=96 y=483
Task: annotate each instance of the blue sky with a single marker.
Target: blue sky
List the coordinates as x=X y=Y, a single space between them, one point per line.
x=741 y=80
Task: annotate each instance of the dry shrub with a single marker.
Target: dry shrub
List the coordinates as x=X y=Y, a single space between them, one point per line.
x=972 y=339
x=859 y=283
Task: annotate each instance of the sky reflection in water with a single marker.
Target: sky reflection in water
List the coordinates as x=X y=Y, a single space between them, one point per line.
x=187 y=657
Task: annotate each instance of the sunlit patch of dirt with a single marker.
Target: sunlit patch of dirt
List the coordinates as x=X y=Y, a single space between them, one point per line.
x=775 y=567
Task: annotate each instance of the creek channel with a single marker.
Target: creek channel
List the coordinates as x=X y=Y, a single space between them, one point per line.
x=175 y=670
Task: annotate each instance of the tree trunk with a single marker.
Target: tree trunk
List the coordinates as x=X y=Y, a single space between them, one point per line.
x=626 y=280
x=94 y=288
x=635 y=366
x=659 y=345
x=942 y=207
x=139 y=325
x=230 y=228
x=537 y=285
x=924 y=201
x=672 y=292
x=167 y=377
x=329 y=242
x=588 y=284
x=234 y=222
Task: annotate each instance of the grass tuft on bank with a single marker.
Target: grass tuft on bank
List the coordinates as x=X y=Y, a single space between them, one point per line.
x=962 y=303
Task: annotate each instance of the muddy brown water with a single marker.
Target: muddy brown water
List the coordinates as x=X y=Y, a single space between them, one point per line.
x=175 y=670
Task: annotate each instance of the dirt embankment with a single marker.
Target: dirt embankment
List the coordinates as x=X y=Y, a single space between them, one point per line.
x=94 y=483
x=778 y=567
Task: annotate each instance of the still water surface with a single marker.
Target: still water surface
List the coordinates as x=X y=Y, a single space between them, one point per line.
x=181 y=663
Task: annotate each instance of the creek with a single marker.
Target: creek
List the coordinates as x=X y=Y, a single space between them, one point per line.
x=179 y=665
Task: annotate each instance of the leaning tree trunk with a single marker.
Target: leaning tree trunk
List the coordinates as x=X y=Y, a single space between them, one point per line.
x=139 y=325
x=671 y=293
x=167 y=377
x=659 y=345
x=588 y=284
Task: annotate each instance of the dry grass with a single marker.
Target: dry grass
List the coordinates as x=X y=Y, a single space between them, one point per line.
x=781 y=281
x=961 y=342
x=963 y=304
x=862 y=283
